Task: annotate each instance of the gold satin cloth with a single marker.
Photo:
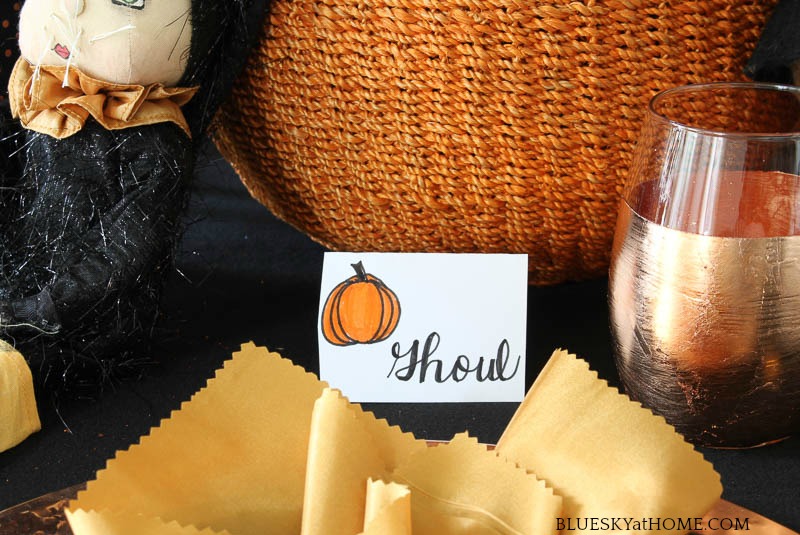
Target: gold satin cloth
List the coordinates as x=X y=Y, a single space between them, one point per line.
x=45 y=104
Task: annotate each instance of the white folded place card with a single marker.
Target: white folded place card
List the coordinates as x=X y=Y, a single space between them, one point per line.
x=424 y=327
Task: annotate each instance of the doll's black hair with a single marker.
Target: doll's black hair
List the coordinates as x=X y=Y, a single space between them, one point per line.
x=222 y=34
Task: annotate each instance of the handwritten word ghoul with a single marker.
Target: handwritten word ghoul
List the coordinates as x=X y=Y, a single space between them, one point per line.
x=412 y=364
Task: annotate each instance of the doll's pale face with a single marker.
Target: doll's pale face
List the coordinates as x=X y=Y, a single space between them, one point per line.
x=120 y=41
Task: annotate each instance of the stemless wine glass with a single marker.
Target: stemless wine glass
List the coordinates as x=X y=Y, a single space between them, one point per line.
x=704 y=285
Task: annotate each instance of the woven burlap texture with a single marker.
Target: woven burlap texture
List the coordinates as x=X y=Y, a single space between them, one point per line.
x=467 y=125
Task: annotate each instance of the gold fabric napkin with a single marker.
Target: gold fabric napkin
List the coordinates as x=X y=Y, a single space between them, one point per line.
x=462 y=487
x=267 y=448
x=606 y=455
x=19 y=417
x=388 y=509
x=347 y=447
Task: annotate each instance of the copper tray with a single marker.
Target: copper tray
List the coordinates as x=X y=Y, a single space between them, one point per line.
x=45 y=516
x=41 y=516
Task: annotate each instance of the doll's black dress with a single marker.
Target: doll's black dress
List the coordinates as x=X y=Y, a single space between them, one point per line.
x=89 y=231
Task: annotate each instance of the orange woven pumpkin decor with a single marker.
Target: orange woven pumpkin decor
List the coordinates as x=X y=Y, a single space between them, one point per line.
x=467 y=126
x=360 y=310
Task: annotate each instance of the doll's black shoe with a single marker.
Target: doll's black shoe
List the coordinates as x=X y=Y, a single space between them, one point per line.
x=34 y=313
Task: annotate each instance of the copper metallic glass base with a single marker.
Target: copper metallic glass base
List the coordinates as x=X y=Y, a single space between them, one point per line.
x=707 y=330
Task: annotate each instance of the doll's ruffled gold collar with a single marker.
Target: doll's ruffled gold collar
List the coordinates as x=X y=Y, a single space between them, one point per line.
x=43 y=103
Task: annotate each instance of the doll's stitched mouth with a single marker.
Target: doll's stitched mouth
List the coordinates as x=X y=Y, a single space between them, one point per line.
x=62 y=51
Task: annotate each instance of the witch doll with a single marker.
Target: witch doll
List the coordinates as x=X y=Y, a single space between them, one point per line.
x=113 y=97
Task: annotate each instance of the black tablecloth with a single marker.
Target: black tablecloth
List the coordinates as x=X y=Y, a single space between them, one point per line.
x=244 y=275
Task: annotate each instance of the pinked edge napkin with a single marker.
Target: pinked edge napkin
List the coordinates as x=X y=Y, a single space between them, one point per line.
x=266 y=447
x=606 y=455
x=19 y=416
x=231 y=459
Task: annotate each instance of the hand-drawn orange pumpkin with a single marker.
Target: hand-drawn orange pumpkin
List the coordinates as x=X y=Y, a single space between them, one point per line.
x=360 y=310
